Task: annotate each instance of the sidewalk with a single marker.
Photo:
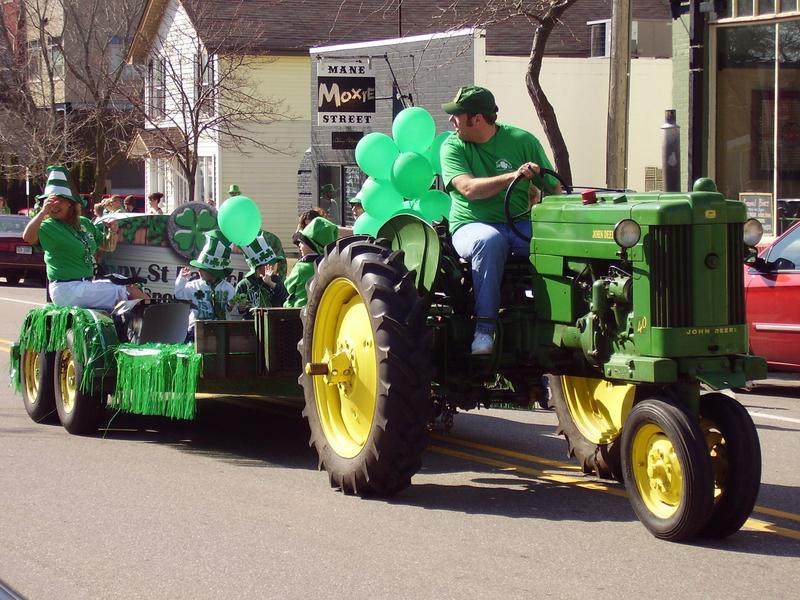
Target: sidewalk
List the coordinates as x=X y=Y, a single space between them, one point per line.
x=778 y=379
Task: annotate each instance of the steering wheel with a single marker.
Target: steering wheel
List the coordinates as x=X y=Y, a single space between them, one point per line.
x=507 y=200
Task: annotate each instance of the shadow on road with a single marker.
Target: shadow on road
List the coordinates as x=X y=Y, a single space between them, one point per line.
x=248 y=436
x=236 y=434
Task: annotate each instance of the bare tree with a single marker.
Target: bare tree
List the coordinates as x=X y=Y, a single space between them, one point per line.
x=68 y=95
x=544 y=16
x=33 y=133
x=94 y=42
x=201 y=85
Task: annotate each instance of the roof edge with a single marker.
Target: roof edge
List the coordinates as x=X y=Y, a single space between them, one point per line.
x=394 y=41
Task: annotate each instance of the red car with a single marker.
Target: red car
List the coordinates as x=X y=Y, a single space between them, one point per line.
x=18 y=259
x=772 y=293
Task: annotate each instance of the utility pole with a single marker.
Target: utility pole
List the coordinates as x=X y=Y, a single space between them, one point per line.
x=618 y=93
x=696 y=97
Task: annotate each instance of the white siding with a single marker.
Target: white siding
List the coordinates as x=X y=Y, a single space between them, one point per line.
x=578 y=90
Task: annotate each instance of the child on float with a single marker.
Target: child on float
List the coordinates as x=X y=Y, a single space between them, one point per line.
x=312 y=241
x=262 y=286
x=212 y=293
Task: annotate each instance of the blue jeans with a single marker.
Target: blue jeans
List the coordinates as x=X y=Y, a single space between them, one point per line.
x=486 y=246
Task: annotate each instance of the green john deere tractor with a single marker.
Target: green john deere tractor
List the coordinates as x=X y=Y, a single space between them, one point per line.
x=627 y=307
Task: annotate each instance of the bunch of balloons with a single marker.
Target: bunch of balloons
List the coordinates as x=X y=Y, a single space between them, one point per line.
x=401 y=171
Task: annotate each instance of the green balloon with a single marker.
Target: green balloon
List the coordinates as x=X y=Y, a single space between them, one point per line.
x=413 y=129
x=435 y=150
x=411 y=174
x=367 y=225
x=434 y=205
x=380 y=199
x=239 y=220
x=375 y=153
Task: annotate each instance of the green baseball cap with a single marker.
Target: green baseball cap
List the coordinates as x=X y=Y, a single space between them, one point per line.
x=471 y=99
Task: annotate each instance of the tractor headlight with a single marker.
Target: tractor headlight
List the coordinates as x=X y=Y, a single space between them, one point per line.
x=627 y=233
x=753 y=232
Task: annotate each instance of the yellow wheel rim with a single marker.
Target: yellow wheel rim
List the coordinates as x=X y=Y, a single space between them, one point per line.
x=68 y=379
x=657 y=471
x=598 y=407
x=32 y=374
x=343 y=348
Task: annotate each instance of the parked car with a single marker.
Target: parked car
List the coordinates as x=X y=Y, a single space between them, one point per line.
x=18 y=259
x=772 y=294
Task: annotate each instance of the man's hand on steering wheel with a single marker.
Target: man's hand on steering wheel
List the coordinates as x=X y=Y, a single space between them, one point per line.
x=528 y=170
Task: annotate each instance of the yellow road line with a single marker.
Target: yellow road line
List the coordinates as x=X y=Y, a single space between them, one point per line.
x=772 y=512
x=754 y=524
x=6 y=341
x=5 y=349
x=539 y=473
x=503 y=452
x=758 y=525
x=764 y=510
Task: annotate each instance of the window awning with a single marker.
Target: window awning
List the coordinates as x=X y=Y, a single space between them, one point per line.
x=157 y=143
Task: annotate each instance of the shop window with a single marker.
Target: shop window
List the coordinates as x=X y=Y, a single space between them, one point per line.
x=34 y=61
x=758 y=126
x=56 y=58
x=156 y=92
x=766 y=7
x=744 y=8
x=788 y=6
x=329 y=194
x=600 y=38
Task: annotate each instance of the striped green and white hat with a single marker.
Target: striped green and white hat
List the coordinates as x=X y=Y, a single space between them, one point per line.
x=215 y=256
x=58 y=185
x=260 y=252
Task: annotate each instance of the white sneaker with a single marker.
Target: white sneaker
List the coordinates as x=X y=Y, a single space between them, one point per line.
x=482 y=343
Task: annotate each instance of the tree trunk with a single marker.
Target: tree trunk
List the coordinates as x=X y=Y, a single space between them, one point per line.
x=545 y=110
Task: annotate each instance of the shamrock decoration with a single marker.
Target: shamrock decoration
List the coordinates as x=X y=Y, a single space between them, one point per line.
x=187 y=226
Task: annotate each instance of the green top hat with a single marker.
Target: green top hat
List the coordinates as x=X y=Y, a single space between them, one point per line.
x=234 y=190
x=58 y=185
x=356 y=199
x=327 y=188
x=471 y=99
x=260 y=252
x=215 y=257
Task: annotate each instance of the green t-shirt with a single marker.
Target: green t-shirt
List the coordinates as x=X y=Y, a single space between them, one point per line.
x=505 y=152
x=69 y=252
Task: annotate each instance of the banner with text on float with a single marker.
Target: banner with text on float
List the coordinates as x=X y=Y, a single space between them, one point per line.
x=345 y=92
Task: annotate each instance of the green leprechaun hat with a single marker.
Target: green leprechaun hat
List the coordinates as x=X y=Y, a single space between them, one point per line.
x=260 y=252
x=215 y=257
x=58 y=185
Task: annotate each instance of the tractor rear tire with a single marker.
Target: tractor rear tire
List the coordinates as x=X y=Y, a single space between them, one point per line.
x=36 y=373
x=602 y=460
x=80 y=411
x=667 y=469
x=367 y=369
x=732 y=441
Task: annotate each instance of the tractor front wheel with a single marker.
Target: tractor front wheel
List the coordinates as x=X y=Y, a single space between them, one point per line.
x=80 y=411
x=367 y=371
x=36 y=372
x=735 y=452
x=667 y=469
x=590 y=414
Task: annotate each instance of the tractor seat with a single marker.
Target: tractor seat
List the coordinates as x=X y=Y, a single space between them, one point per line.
x=146 y=321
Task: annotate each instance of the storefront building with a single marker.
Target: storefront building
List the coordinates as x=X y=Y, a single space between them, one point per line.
x=752 y=83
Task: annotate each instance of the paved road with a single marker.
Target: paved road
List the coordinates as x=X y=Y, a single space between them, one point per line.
x=232 y=506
